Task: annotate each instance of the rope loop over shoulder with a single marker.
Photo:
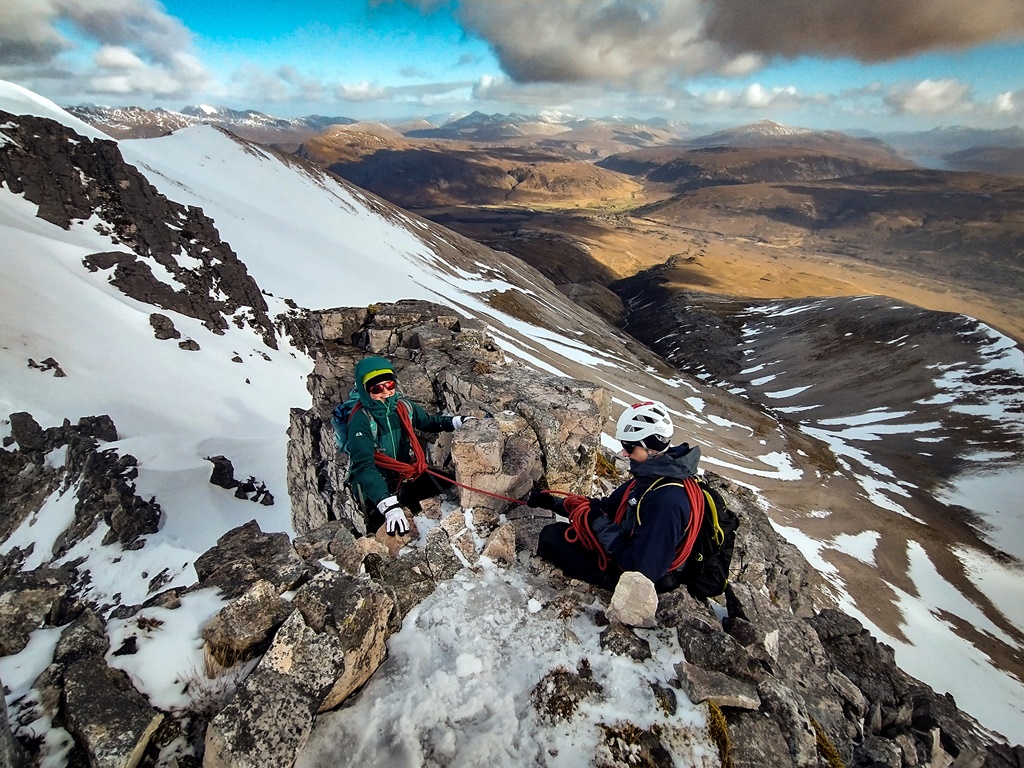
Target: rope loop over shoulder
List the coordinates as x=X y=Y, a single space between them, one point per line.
x=405 y=470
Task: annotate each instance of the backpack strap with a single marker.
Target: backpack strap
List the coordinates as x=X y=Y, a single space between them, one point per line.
x=696 y=496
x=656 y=484
x=717 y=534
x=369 y=418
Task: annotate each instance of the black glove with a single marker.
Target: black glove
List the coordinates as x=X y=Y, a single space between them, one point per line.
x=594 y=514
x=542 y=500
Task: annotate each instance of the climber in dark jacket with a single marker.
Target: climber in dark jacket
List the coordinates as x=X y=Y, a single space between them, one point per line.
x=377 y=426
x=657 y=507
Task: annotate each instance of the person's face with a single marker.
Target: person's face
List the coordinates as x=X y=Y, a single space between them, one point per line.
x=383 y=390
x=635 y=451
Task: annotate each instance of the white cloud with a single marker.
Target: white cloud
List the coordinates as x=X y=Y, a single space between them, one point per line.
x=125 y=47
x=117 y=57
x=757 y=97
x=930 y=97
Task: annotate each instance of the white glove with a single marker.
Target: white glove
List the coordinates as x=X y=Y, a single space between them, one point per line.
x=460 y=421
x=394 y=516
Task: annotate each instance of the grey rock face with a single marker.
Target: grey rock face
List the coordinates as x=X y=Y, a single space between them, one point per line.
x=112 y=720
x=29 y=600
x=72 y=178
x=245 y=627
x=12 y=755
x=540 y=424
x=246 y=555
x=327 y=648
x=265 y=724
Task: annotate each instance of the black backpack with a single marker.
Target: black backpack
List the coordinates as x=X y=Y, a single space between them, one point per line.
x=706 y=571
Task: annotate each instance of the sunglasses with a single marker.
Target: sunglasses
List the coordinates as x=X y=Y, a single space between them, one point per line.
x=384 y=386
x=629 y=447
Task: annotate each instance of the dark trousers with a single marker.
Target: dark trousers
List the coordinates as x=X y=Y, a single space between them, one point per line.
x=411 y=493
x=575 y=560
x=578 y=562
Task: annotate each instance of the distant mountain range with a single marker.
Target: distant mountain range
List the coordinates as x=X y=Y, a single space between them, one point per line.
x=139 y=123
x=954 y=148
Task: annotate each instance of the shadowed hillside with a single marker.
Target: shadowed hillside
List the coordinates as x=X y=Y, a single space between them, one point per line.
x=417 y=174
x=684 y=170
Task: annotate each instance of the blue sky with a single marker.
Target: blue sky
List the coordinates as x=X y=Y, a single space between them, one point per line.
x=828 y=64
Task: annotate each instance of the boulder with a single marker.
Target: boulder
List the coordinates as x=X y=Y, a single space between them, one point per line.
x=245 y=555
x=27 y=433
x=112 y=720
x=244 y=628
x=623 y=641
x=265 y=724
x=354 y=615
x=702 y=685
x=634 y=601
x=223 y=473
x=29 y=600
x=497 y=457
x=501 y=546
x=327 y=648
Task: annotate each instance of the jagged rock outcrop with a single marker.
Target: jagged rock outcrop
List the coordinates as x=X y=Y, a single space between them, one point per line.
x=784 y=678
x=245 y=556
x=74 y=179
x=329 y=645
x=12 y=754
x=102 y=481
x=539 y=424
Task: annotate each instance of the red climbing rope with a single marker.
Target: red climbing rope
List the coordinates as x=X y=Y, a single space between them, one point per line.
x=578 y=508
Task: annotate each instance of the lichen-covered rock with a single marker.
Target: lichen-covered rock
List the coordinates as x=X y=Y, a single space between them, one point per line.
x=108 y=716
x=245 y=555
x=354 y=614
x=265 y=724
x=244 y=627
x=623 y=641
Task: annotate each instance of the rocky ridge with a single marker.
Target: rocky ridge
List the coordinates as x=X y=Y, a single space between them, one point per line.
x=77 y=181
x=787 y=678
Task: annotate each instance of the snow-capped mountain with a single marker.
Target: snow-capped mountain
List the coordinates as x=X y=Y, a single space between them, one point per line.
x=137 y=122
x=81 y=287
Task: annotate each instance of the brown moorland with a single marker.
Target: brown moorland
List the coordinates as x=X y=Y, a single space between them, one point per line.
x=786 y=220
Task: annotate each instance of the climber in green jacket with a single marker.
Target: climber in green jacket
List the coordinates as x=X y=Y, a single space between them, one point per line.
x=379 y=435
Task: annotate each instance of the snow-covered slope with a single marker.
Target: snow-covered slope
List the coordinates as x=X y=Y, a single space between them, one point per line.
x=312 y=239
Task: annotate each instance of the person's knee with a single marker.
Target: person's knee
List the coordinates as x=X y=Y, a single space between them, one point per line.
x=551 y=539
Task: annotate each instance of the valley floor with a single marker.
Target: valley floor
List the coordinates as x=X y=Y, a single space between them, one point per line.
x=735 y=266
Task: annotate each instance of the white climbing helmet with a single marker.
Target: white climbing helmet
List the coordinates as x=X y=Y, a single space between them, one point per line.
x=645 y=420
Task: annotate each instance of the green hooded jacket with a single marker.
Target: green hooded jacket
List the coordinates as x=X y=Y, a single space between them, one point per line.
x=377 y=484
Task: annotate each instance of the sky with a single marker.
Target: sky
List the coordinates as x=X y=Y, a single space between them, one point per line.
x=830 y=64
x=172 y=415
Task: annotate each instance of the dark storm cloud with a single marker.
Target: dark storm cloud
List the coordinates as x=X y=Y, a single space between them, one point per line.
x=29 y=29
x=622 y=41
x=638 y=41
x=868 y=30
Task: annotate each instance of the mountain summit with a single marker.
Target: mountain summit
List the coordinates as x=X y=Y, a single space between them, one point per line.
x=176 y=533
